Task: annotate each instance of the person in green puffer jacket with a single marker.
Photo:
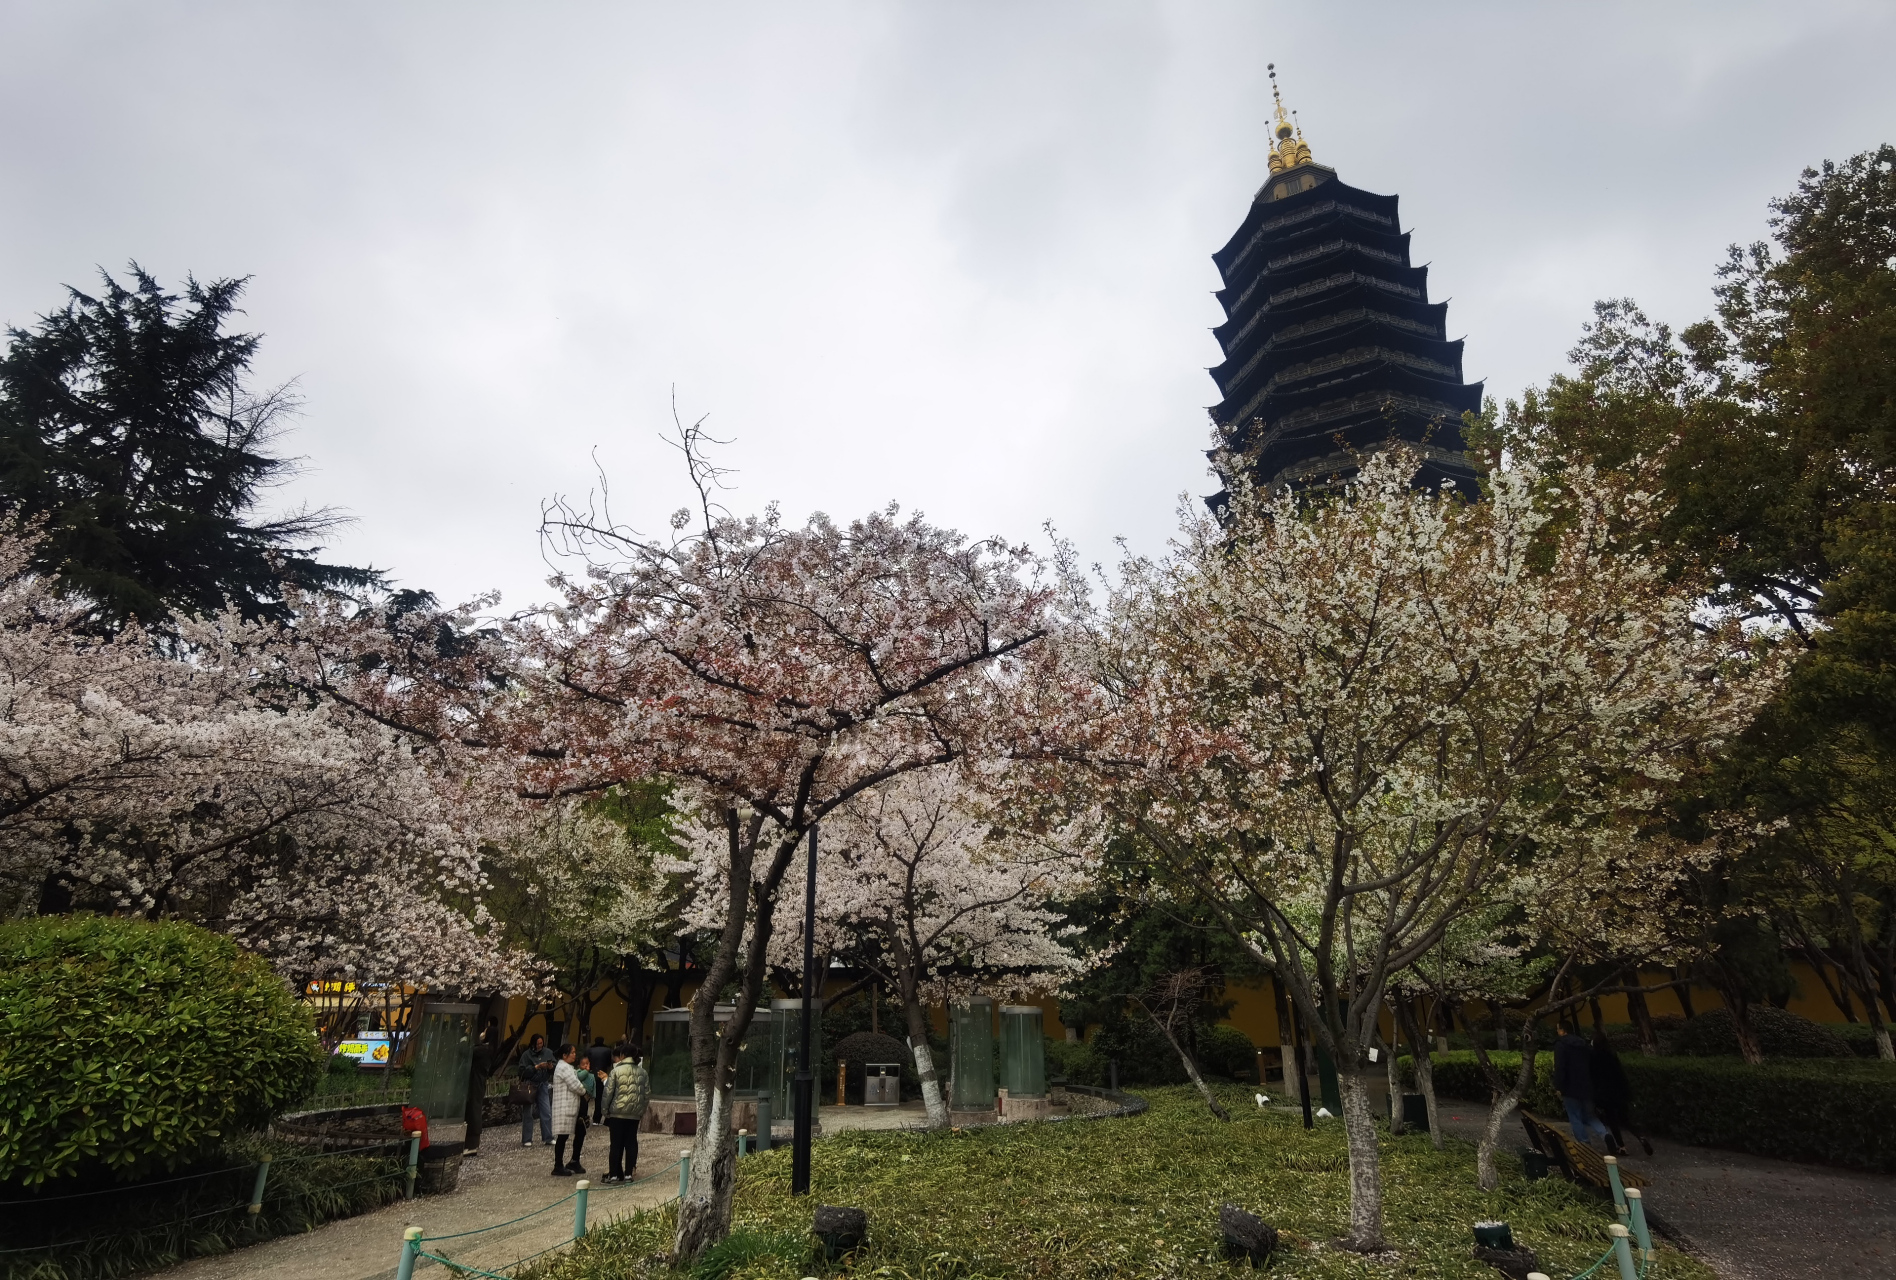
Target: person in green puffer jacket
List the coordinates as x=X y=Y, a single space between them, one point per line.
x=628 y=1091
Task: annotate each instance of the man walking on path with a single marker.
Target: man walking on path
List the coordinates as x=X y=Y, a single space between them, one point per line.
x=569 y=1095
x=628 y=1090
x=1613 y=1095
x=1573 y=1079
x=536 y=1068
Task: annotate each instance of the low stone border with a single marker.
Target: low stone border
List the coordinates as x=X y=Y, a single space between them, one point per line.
x=1102 y=1103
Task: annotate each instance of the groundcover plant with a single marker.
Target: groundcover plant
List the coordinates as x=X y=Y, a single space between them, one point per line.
x=1132 y=1197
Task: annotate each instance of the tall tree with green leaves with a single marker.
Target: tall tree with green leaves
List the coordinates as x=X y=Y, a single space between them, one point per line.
x=130 y=432
x=1775 y=424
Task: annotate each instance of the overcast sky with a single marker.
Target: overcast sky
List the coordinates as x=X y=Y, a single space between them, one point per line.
x=953 y=255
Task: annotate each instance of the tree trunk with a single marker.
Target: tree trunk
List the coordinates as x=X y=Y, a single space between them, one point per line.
x=1682 y=987
x=1396 y=1125
x=925 y=1065
x=1191 y=1069
x=1486 y=1174
x=1641 y=1014
x=1504 y=1100
x=1425 y=1081
x=1739 y=1006
x=1417 y=1029
x=704 y=1211
x=1365 y=1170
x=704 y=1215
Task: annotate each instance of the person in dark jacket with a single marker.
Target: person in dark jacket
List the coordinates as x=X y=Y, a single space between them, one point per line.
x=477 y=1074
x=1613 y=1095
x=536 y=1068
x=1573 y=1080
x=602 y=1067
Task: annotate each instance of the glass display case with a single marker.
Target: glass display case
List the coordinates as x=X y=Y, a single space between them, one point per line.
x=754 y=1061
x=786 y=1029
x=971 y=1054
x=670 y=1063
x=443 y=1057
x=1023 y=1052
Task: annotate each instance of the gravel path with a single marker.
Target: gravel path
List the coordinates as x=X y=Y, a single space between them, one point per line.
x=1751 y=1218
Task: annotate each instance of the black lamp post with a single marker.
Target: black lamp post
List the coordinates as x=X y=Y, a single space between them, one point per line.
x=803 y=1086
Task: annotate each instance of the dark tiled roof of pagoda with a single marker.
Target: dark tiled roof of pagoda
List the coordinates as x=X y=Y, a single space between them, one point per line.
x=1312 y=288
x=1339 y=268
x=1397 y=382
x=1269 y=219
x=1321 y=237
x=1331 y=344
x=1311 y=314
x=1277 y=361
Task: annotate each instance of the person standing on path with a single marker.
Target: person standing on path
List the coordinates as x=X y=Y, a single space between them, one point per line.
x=478 y=1071
x=602 y=1068
x=536 y=1068
x=1613 y=1095
x=628 y=1091
x=1573 y=1079
x=568 y=1096
x=590 y=1079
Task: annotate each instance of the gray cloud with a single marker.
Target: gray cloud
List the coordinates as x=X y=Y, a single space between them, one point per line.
x=950 y=255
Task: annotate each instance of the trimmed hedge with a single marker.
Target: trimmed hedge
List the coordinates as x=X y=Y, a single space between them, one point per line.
x=136 y=1047
x=1824 y=1110
x=1781 y=1034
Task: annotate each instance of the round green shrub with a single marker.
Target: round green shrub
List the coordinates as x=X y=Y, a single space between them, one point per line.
x=1075 y=1062
x=135 y=1046
x=1781 y=1034
x=1226 y=1052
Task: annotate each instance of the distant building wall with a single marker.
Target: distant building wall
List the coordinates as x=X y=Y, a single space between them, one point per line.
x=1253 y=1008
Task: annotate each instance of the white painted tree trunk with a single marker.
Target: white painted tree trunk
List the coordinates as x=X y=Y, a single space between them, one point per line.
x=1486 y=1174
x=1884 y=1049
x=1365 y=1170
x=704 y=1215
x=925 y=1067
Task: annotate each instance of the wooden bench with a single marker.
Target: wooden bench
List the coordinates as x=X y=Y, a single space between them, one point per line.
x=1579 y=1162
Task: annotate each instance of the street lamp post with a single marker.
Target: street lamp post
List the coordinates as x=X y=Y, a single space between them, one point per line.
x=803 y=1087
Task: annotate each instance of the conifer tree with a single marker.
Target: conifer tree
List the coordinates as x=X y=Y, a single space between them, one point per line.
x=129 y=428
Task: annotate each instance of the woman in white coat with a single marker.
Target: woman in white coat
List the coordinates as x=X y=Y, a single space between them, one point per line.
x=568 y=1095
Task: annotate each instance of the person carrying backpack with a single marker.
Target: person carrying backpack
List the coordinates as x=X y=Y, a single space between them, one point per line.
x=628 y=1091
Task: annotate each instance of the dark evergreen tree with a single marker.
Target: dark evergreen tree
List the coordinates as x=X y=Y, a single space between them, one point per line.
x=130 y=433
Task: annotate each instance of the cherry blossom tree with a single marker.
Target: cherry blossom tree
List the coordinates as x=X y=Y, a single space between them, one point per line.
x=932 y=894
x=780 y=672
x=182 y=780
x=1344 y=724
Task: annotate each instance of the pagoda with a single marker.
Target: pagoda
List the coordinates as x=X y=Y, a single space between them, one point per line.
x=1332 y=347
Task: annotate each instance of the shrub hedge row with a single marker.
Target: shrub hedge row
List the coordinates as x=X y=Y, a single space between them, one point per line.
x=133 y=1047
x=1827 y=1110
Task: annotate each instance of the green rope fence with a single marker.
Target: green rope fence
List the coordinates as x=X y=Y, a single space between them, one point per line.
x=413 y=1239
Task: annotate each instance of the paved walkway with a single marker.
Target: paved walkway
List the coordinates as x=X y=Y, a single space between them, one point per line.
x=1748 y=1217
x=507 y=1180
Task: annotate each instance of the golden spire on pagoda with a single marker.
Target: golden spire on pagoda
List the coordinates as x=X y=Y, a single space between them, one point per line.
x=1291 y=150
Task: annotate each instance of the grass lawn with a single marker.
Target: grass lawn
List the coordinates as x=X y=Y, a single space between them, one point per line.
x=1115 y=1198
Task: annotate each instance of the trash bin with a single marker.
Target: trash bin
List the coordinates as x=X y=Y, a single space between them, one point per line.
x=440 y=1169
x=882 y=1084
